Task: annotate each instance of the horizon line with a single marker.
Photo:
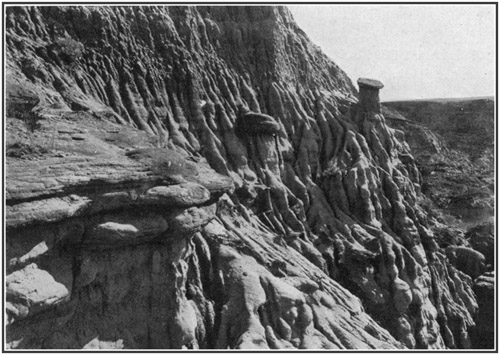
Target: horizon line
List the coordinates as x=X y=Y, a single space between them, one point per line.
x=442 y=98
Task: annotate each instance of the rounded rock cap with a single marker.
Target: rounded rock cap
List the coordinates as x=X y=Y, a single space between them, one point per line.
x=369 y=83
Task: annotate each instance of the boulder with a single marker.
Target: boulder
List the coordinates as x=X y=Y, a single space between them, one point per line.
x=31 y=290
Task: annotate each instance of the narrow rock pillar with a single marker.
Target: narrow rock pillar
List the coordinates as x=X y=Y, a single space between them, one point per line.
x=369 y=100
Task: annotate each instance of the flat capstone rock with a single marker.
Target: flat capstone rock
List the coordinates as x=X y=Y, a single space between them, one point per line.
x=369 y=83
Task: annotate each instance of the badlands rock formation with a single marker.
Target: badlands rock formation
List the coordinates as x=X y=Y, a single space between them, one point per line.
x=205 y=177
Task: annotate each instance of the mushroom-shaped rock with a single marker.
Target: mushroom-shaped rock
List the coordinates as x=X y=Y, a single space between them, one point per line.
x=369 y=94
x=252 y=123
x=372 y=84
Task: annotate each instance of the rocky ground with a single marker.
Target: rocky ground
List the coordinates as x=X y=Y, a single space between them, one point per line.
x=205 y=177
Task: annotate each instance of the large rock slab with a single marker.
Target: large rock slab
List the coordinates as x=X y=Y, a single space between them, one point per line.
x=29 y=180
x=32 y=290
x=46 y=211
x=56 y=209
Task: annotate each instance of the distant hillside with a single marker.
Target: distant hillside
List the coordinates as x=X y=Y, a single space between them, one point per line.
x=453 y=144
x=444 y=99
x=466 y=124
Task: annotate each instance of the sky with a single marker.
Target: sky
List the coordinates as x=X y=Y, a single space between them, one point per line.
x=417 y=51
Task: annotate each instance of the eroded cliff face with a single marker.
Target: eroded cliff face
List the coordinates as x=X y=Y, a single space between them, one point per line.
x=203 y=177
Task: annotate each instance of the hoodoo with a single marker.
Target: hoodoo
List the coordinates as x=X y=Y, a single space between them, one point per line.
x=369 y=99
